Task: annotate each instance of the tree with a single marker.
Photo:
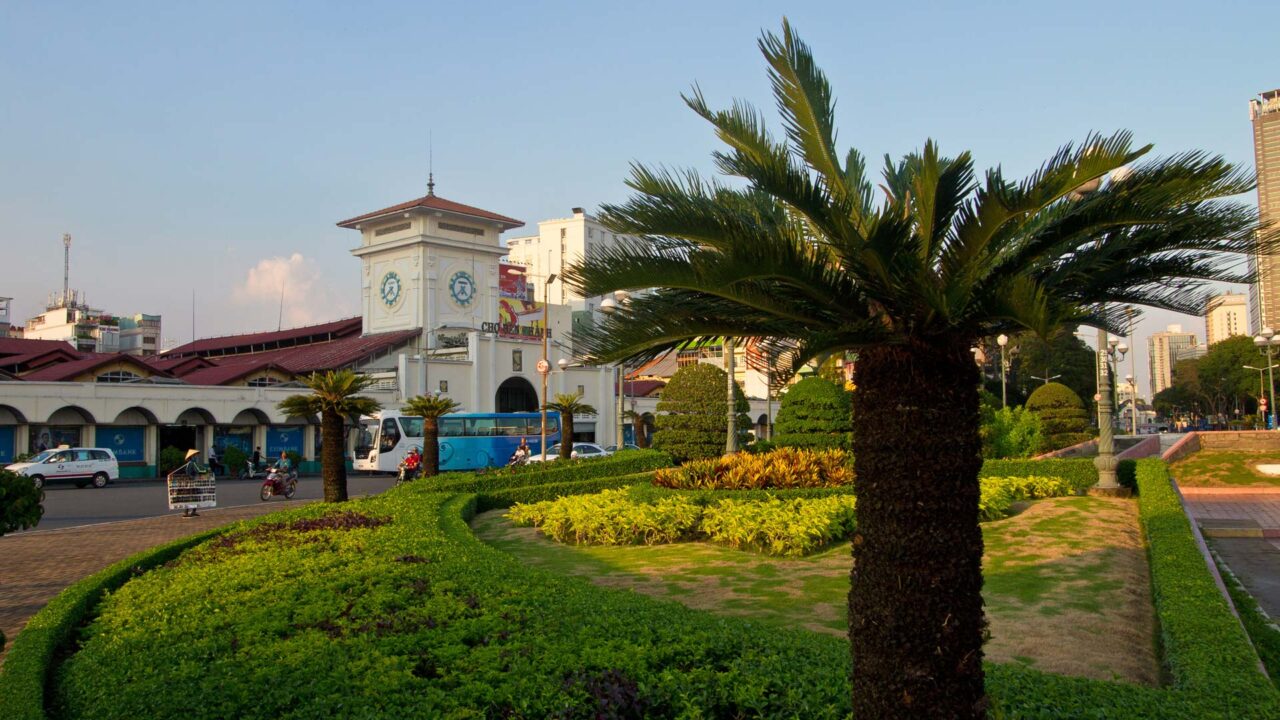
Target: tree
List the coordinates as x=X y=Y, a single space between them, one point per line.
x=800 y=251
x=334 y=397
x=1064 y=421
x=20 y=502
x=430 y=408
x=1062 y=354
x=815 y=413
x=1223 y=377
x=568 y=405
x=692 y=420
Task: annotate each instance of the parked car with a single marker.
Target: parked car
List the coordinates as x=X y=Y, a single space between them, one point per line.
x=83 y=466
x=627 y=446
x=580 y=450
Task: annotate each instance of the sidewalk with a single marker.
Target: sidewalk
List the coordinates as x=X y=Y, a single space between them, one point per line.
x=1235 y=512
x=37 y=566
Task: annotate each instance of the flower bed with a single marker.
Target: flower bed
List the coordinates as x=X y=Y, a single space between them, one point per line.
x=781 y=468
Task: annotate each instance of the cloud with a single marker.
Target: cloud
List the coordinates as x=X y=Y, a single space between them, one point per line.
x=308 y=298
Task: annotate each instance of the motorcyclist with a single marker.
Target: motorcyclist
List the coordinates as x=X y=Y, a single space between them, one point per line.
x=522 y=453
x=284 y=465
x=412 y=461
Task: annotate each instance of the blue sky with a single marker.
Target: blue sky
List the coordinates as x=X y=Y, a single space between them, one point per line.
x=215 y=147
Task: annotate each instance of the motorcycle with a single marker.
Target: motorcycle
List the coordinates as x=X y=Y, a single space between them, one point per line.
x=406 y=473
x=279 y=483
x=250 y=471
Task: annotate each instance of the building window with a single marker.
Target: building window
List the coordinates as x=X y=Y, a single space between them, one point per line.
x=265 y=381
x=517 y=360
x=582 y=391
x=444 y=386
x=562 y=233
x=591 y=232
x=119 y=376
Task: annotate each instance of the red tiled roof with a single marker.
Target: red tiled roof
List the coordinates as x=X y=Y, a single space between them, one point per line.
x=223 y=374
x=24 y=346
x=642 y=388
x=434 y=202
x=89 y=362
x=177 y=366
x=338 y=328
x=35 y=360
x=302 y=359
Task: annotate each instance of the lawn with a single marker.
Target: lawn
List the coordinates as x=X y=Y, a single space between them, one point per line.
x=1067 y=584
x=1224 y=469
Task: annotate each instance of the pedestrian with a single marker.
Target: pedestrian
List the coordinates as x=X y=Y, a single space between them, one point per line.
x=257 y=458
x=193 y=469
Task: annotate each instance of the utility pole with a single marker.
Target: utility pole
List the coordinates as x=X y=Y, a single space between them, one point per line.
x=66 y=269
x=731 y=438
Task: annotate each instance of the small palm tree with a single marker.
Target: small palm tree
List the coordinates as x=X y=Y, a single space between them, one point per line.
x=430 y=408
x=799 y=254
x=334 y=397
x=568 y=405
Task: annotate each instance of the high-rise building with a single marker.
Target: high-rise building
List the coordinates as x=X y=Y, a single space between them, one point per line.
x=1225 y=316
x=4 y=316
x=1165 y=349
x=1264 y=294
x=558 y=244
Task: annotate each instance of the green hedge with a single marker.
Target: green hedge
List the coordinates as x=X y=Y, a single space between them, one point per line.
x=1261 y=629
x=491 y=499
x=1081 y=473
x=556 y=471
x=26 y=668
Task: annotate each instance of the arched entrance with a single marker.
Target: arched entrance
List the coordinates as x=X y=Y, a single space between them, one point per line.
x=516 y=395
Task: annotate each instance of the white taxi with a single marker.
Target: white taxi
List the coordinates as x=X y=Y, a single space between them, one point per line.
x=83 y=466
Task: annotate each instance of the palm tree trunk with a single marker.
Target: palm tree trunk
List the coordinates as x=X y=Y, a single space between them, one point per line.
x=430 y=446
x=566 y=435
x=333 y=467
x=915 y=605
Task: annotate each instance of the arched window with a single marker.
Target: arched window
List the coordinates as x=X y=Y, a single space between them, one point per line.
x=264 y=381
x=119 y=376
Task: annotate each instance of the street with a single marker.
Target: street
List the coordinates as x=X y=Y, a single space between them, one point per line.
x=65 y=505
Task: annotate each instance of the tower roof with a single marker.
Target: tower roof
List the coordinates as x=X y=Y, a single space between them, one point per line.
x=431 y=201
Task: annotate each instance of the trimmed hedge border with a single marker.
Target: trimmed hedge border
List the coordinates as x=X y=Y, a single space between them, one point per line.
x=1081 y=473
x=495 y=499
x=26 y=668
x=556 y=471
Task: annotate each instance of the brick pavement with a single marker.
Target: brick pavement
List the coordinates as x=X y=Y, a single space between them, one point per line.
x=1235 y=512
x=36 y=566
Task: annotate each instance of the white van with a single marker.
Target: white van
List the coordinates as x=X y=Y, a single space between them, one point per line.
x=84 y=466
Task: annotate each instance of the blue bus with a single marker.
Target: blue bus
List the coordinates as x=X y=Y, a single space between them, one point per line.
x=468 y=441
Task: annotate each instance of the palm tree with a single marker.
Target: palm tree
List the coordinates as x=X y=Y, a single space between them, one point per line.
x=334 y=397
x=568 y=405
x=430 y=408
x=803 y=255
x=639 y=426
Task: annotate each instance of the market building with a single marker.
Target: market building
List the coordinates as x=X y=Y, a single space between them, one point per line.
x=440 y=313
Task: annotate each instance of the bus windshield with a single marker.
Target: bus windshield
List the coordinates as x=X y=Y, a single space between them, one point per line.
x=411 y=426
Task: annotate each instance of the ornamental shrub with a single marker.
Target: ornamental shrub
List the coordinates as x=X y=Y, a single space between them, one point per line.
x=781 y=468
x=1011 y=433
x=171 y=458
x=815 y=413
x=998 y=494
x=20 y=500
x=774 y=526
x=1063 y=417
x=693 y=413
x=235 y=459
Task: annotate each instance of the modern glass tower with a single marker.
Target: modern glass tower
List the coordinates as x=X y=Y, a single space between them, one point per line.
x=1264 y=294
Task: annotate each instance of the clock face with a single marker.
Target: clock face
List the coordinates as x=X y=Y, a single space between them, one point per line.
x=390 y=289
x=462 y=288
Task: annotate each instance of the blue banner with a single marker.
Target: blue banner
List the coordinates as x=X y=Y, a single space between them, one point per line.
x=6 y=445
x=284 y=438
x=125 y=441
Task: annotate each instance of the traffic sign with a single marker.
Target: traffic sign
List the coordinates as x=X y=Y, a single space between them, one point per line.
x=544 y=367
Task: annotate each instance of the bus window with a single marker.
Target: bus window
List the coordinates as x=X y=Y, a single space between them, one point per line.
x=390 y=435
x=412 y=426
x=480 y=426
x=512 y=426
x=452 y=427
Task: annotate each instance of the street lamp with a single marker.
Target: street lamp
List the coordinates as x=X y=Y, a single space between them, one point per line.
x=1267 y=339
x=1045 y=378
x=1133 y=402
x=544 y=366
x=1109 y=349
x=610 y=305
x=1262 y=391
x=1002 y=340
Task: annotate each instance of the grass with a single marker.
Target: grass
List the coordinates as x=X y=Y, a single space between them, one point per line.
x=1224 y=469
x=1067 y=586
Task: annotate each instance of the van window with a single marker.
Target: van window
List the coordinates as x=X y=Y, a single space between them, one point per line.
x=100 y=455
x=83 y=456
x=62 y=456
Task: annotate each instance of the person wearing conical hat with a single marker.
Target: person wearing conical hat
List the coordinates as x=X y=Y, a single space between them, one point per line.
x=193 y=469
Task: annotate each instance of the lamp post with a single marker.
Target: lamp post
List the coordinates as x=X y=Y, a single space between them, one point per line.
x=1133 y=402
x=544 y=365
x=609 y=305
x=1108 y=349
x=1267 y=339
x=1045 y=378
x=1262 y=391
x=1003 y=340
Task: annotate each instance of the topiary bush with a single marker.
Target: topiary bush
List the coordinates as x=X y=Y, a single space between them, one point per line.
x=815 y=413
x=693 y=414
x=1063 y=417
x=20 y=500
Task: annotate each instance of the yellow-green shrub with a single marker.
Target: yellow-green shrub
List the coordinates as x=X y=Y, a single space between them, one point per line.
x=781 y=468
x=998 y=494
x=610 y=518
x=780 y=527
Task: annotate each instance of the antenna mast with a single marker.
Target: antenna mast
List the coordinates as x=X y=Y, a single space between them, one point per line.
x=66 y=269
x=431 y=162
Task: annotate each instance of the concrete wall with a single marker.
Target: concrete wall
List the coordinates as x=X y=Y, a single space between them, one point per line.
x=1258 y=441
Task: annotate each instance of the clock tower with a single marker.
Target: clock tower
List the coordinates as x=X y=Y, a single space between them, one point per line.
x=429 y=263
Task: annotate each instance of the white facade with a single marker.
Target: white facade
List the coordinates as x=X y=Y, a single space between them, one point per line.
x=1225 y=316
x=558 y=244
x=1165 y=349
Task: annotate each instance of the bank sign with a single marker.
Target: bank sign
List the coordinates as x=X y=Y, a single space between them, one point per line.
x=125 y=442
x=283 y=439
